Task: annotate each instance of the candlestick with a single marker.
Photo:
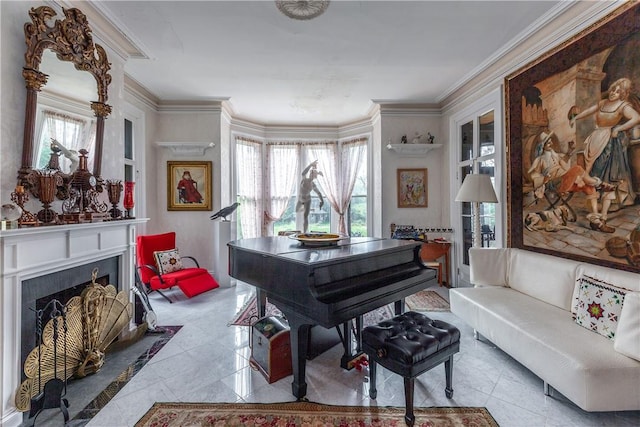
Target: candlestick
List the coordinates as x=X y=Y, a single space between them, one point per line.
x=20 y=198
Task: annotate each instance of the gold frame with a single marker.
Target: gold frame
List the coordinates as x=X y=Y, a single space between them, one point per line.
x=419 y=196
x=201 y=173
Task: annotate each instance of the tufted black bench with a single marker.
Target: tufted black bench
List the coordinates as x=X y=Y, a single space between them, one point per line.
x=410 y=344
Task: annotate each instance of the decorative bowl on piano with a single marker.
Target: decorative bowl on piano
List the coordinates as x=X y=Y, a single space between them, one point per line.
x=318 y=239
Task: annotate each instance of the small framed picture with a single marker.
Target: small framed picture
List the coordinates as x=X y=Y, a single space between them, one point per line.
x=412 y=188
x=189 y=186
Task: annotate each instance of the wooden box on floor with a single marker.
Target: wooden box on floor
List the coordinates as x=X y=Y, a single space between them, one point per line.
x=271 y=348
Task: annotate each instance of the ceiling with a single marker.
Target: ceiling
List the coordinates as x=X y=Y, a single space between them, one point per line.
x=324 y=71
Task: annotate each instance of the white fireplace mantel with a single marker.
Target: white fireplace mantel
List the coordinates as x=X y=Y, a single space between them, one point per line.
x=32 y=252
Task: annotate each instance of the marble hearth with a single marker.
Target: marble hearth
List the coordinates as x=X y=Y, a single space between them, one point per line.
x=31 y=253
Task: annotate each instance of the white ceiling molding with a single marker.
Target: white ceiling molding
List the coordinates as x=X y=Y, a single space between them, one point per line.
x=212 y=105
x=186 y=149
x=595 y=11
x=389 y=108
x=311 y=132
x=553 y=13
x=139 y=92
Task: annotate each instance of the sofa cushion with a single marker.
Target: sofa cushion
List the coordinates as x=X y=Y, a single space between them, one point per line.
x=489 y=266
x=627 y=340
x=168 y=261
x=548 y=278
x=597 y=305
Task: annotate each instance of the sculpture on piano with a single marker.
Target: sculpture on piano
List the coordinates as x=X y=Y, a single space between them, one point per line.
x=304 y=193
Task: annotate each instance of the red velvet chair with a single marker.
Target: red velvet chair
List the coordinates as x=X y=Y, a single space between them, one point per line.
x=191 y=280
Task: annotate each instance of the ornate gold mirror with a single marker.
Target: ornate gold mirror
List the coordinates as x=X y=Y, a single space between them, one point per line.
x=68 y=40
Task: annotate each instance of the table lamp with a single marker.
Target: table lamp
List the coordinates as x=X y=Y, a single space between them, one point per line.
x=476 y=188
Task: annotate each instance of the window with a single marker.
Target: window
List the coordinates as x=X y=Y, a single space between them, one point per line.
x=268 y=185
x=134 y=155
x=72 y=132
x=129 y=164
x=477 y=130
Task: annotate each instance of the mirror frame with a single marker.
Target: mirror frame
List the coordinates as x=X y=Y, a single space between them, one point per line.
x=71 y=40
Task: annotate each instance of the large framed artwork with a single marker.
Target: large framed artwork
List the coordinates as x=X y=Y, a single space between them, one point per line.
x=412 y=188
x=573 y=136
x=189 y=186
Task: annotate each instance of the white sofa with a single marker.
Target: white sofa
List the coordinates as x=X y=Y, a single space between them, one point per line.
x=521 y=301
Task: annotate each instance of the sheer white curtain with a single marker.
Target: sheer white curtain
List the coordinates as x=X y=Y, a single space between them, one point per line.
x=282 y=164
x=339 y=165
x=73 y=133
x=249 y=181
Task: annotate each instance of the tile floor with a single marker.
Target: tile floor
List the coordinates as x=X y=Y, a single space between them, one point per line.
x=207 y=361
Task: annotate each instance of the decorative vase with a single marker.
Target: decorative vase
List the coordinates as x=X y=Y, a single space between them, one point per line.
x=46 y=193
x=128 y=202
x=114 y=189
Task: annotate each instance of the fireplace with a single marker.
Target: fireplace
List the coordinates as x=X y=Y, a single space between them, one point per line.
x=37 y=262
x=61 y=285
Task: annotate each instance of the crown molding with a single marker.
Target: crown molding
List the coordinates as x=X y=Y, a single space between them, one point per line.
x=397 y=108
x=536 y=26
x=139 y=92
x=597 y=10
x=186 y=106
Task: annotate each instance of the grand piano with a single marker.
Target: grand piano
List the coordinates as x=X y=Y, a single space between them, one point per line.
x=328 y=285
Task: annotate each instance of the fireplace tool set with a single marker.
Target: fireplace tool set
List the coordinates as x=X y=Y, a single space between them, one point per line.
x=72 y=343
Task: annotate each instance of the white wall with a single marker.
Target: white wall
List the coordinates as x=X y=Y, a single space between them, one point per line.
x=393 y=125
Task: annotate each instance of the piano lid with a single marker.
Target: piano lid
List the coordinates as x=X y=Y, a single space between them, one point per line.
x=288 y=249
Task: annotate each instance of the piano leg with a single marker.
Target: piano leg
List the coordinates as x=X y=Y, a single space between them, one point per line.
x=399 y=306
x=299 y=334
x=261 y=301
x=351 y=355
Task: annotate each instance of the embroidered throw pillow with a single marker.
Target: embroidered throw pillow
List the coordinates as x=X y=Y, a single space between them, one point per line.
x=597 y=305
x=168 y=261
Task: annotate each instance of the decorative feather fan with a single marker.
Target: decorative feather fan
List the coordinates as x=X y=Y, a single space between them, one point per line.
x=94 y=320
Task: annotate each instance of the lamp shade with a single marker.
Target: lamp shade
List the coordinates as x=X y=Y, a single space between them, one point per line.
x=477 y=188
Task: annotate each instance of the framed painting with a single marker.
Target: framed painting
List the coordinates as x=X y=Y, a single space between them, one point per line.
x=189 y=186
x=412 y=188
x=573 y=136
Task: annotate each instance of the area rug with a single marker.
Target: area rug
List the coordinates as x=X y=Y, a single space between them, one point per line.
x=307 y=414
x=248 y=314
x=427 y=301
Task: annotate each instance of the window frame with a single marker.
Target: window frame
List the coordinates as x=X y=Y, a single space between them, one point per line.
x=472 y=113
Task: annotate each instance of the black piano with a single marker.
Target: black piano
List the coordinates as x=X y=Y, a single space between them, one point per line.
x=328 y=285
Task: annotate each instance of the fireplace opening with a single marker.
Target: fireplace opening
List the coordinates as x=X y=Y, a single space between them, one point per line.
x=62 y=285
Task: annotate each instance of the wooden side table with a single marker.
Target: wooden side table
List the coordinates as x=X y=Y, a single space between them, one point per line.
x=433 y=250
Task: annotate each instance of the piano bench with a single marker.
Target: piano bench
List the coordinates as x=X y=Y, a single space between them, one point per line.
x=409 y=345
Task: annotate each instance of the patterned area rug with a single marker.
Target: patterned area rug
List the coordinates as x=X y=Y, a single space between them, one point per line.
x=307 y=414
x=248 y=314
x=427 y=301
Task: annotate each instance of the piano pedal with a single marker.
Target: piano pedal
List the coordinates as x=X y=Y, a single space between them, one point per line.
x=358 y=362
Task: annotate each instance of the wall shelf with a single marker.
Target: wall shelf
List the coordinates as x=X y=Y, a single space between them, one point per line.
x=186 y=149
x=413 y=149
